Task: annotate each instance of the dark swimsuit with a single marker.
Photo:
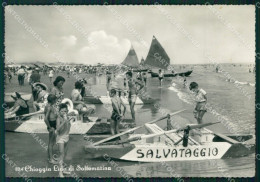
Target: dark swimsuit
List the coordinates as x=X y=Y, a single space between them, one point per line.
x=53 y=124
x=160 y=76
x=116 y=116
x=132 y=88
x=23 y=110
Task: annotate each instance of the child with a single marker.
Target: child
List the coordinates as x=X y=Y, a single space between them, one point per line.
x=117 y=114
x=50 y=118
x=62 y=135
x=201 y=100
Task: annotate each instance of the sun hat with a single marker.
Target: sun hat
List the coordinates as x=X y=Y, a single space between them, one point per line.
x=44 y=87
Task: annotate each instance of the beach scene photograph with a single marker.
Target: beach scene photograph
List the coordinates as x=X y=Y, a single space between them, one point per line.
x=129 y=91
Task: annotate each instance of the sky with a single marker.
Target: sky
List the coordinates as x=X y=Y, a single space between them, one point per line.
x=104 y=34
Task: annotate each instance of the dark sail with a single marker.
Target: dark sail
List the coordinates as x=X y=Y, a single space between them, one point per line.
x=131 y=59
x=157 y=57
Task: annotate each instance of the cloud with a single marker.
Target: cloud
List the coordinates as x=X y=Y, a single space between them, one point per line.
x=105 y=49
x=68 y=40
x=112 y=39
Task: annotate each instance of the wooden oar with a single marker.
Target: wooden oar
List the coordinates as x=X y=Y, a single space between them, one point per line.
x=26 y=115
x=31 y=114
x=195 y=126
x=133 y=129
x=142 y=110
x=167 y=132
x=228 y=139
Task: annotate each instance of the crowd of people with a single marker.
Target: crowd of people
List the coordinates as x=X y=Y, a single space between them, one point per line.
x=56 y=112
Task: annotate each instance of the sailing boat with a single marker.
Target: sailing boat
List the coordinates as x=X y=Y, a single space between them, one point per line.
x=131 y=59
x=157 y=58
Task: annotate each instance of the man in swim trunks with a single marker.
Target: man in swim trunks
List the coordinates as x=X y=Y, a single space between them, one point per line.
x=50 y=117
x=133 y=91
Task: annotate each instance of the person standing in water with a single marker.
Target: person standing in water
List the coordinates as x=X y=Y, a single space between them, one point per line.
x=201 y=101
x=117 y=114
x=160 y=76
x=184 y=82
x=108 y=81
x=133 y=91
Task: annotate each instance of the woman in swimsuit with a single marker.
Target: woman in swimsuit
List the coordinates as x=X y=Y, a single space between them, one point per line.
x=78 y=102
x=133 y=91
x=57 y=90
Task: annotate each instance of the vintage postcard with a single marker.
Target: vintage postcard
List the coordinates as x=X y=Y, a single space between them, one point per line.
x=129 y=91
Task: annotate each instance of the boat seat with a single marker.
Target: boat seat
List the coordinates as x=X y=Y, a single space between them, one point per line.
x=174 y=137
x=169 y=138
x=153 y=128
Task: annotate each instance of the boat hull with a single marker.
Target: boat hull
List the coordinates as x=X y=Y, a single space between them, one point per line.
x=187 y=73
x=107 y=100
x=160 y=153
x=36 y=124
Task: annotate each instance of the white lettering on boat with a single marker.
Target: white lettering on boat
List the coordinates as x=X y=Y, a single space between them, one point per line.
x=177 y=153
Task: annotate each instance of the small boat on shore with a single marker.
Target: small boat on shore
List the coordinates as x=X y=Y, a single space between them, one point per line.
x=36 y=124
x=140 y=70
x=184 y=74
x=10 y=101
x=107 y=100
x=193 y=142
